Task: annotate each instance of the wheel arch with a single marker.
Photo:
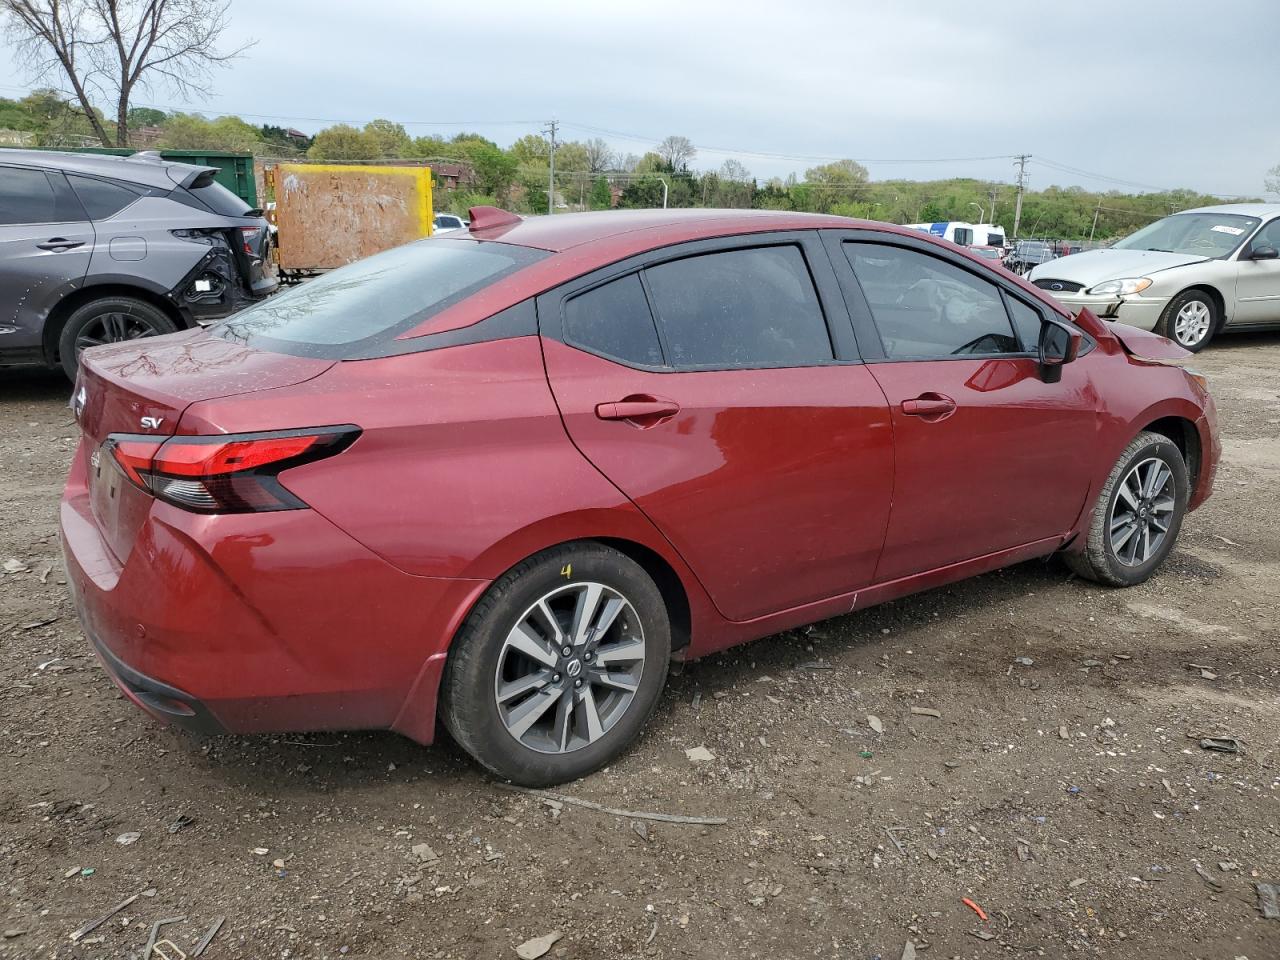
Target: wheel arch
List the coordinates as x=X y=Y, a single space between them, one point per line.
x=1219 y=300
x=73 y=301
x=1184 y=435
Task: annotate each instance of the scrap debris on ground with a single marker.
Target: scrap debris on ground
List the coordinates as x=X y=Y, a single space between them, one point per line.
x=1054 y=770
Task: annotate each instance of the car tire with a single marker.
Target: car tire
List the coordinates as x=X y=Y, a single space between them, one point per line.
x=108 y=320
x=1125 y=505
x=581 y=720
x=1190 y=320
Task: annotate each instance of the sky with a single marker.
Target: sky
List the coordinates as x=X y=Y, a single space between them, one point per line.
x=1126 y=94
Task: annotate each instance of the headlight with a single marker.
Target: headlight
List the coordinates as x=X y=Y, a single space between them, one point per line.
x=1120 y=288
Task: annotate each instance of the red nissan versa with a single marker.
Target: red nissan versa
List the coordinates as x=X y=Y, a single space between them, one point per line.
x=503 y=477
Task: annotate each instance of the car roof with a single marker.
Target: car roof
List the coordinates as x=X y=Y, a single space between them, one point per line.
x=1262 y=210
x=643 y=230
x=142 y=168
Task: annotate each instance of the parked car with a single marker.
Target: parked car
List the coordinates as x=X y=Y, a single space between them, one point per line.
x=1189 y=276
x=504 y=478
x=100 y=249
x=995 y=255
x=1028 y=254
x=447 y=222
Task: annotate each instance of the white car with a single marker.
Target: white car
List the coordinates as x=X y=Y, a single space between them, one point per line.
x=1188 y=276
x=448 y=223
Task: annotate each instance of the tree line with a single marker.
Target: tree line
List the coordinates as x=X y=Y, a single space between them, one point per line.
x=591 y=176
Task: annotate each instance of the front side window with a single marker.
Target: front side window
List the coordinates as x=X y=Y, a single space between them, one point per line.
x=26 y=196
x=1193 y=234
x=926 y=308
x=735 y=308
x=101 y=198
x=614 y=319
x=1028 y=322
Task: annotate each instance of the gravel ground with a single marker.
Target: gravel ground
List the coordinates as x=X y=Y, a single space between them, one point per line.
x=1062 y=789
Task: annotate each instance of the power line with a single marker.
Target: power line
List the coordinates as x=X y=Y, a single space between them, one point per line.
x=1133 y=184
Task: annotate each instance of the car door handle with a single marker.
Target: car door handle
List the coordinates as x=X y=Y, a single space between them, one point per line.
x=929 y=406
x=639 y=409
x=59 y=244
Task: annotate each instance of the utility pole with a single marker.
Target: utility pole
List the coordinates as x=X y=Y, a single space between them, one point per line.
x=1096 y=211
x=993 y=195
x=550 y=131
x=1021 y=159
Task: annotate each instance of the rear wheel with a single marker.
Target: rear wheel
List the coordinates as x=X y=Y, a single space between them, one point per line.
x=1190 y=320
x=108 y=320
x=559 y=666
x=1137 y=516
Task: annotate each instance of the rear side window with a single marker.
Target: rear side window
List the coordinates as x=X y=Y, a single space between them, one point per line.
x=751 y=307
x=218 y=198
x=359 y=310
x=101 y=198
x=926 y=308
x=614 y=319
x=26 y=197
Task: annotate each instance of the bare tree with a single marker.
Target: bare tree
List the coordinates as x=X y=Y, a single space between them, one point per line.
x=599 y=157
x=676 y=152
x=1273 y=179
x=735 y=171
x=108 y=49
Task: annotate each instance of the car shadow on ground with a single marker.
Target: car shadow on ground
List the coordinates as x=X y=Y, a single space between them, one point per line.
x=270 y=764
x=32 y=385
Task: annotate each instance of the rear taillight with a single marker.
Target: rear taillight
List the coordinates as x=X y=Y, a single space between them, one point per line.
x=232 y=473
x=250 y=237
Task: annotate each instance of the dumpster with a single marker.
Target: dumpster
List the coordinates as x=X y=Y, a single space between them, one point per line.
x=331 y=214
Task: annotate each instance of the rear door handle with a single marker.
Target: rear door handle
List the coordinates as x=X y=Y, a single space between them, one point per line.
x=929 y=406
x=59 y=244
x=638 y=409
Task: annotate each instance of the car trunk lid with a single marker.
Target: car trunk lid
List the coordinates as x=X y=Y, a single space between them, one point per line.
x=142 y=389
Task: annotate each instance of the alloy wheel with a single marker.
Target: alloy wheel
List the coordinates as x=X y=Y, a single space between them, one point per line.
x=1142 y=512
x=570 y=668
x=113 y=327
x=1191 y=325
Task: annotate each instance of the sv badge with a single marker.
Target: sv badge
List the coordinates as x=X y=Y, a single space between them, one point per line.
x=152 y=423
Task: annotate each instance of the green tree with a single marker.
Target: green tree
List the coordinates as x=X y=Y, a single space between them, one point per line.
x=341 y=142
x=601 y=196
x=645 y=192
x=495 y=169
x=387 y=139
x=832 y=183
x=189 y=131
x=146 y=117
x=531 y=150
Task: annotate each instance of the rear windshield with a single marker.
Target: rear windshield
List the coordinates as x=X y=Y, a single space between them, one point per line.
x=218 y=198
x=357 y=310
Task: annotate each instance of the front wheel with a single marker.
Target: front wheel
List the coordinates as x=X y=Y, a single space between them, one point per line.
x=1137 y=516
x=559 y=666
x=1190 y=320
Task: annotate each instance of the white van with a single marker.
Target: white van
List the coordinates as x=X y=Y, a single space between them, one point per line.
x=964 y=234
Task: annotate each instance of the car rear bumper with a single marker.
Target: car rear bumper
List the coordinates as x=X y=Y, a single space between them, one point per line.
x=256 y=623
x=1137 y=311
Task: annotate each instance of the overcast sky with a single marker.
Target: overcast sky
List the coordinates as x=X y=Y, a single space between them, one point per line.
x=1166 y=93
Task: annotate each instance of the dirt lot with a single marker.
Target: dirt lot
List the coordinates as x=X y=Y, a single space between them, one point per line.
x=1067 y=797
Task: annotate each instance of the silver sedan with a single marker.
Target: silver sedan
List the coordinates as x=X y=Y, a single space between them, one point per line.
x=1188 y=276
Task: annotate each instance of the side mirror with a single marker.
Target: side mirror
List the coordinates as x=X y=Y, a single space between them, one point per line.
x=1264 y=252
x=1058 y=346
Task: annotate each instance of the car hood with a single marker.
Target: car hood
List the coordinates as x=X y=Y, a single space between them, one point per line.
x=1145 y=345
x=1095 y=266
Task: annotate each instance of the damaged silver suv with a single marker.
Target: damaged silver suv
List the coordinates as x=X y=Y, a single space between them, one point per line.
x=99 y=249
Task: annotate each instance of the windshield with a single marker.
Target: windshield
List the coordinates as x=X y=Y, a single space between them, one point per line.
x=987 y=252
x=357 y=310
x=1193 y=234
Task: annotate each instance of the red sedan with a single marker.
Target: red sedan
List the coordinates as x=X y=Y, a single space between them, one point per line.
x=502 y=478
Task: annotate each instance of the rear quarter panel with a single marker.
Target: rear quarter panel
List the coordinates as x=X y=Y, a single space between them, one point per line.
x=463 y=468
